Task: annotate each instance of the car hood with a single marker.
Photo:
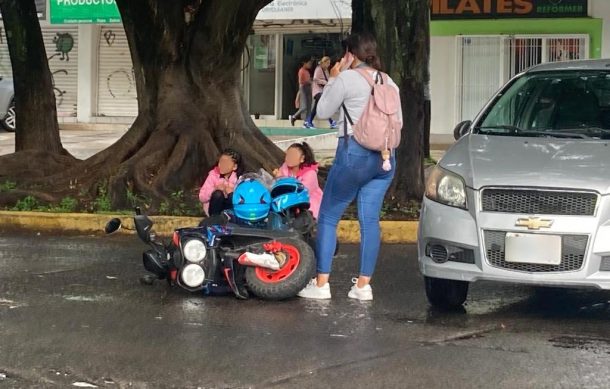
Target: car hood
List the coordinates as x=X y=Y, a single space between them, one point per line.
x=484 y=160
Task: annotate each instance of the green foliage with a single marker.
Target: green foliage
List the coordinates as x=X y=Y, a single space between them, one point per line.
x=28 y=203
x=177 y=205
x=7 y=186
x=102 y=202
x=67 y=204
x=136 y=200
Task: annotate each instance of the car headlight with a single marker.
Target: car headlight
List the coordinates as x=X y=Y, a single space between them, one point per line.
x=194 y=250
x=192 y=275
x=446 y=188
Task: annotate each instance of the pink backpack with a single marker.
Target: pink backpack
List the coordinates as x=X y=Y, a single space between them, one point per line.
x=380 y=124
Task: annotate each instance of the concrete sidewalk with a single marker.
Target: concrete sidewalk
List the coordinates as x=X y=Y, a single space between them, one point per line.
x=84 y=140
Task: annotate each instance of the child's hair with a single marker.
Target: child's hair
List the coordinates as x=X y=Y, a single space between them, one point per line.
x=236 y=157
x=308 y=154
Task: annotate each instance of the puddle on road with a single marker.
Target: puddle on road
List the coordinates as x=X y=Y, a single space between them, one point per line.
x=589 y=344
x=490 y=305
x=84 y=385
x=10 y=304
x=94 y=298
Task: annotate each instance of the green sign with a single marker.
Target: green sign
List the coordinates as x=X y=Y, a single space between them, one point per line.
x=84 y=11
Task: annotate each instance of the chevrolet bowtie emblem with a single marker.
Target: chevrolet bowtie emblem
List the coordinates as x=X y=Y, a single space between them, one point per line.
x=534 y=223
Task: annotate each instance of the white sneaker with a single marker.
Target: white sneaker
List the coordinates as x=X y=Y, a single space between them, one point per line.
x=312 y=291
x=363 y=294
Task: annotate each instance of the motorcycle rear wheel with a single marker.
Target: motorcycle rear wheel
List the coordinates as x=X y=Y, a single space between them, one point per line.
x=299 y=267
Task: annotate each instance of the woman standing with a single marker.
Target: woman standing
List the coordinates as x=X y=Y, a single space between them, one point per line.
x=320 y=79
x=357 y=173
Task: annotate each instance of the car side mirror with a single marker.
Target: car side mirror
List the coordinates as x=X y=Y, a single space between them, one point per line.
x=461 y=129
x=113 y=226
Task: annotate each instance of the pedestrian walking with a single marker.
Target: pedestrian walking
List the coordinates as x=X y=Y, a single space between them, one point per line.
x=304 y=77
x=320 y=79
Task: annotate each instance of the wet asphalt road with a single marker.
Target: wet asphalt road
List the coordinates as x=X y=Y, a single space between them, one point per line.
x=73 y=312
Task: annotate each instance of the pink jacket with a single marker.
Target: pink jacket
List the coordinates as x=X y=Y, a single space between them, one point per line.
x=209 y=186
x=319 y=81
x=308 y=175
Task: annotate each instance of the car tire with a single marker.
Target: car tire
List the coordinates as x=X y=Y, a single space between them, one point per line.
x=9 y=122
x=446 y=294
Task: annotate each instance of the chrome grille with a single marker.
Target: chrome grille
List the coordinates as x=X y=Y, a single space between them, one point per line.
x=539 y=202
x=573 y=249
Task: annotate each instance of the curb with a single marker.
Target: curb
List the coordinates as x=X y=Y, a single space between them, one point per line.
x=85 y=223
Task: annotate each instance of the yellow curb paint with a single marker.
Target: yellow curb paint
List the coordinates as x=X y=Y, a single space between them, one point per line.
x=348 y=231
x=391 y=231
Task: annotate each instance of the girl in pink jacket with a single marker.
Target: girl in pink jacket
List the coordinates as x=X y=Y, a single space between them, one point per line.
x=216 y=194
x=301 y=163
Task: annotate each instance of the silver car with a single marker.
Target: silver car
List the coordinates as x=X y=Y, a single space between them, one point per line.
x=7 y=104
x=523 y=196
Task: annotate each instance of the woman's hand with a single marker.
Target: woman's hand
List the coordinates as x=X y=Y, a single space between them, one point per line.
x=221 y=186
x=344 y=64
x=334 y=72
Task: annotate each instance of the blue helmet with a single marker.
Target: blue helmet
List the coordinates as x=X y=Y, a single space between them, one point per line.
x=289 y=193
x=251 y=200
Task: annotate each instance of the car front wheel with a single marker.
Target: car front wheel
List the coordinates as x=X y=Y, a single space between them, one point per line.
x=9 y=122
x=444 y=293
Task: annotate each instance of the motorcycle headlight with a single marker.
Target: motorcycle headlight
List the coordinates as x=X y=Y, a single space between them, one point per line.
x=446 y=188
x=192 y=275
x=194 y=250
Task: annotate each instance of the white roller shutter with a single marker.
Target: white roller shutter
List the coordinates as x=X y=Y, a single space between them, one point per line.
x=62 y=50
x=61 y=43
x=116 y=92
x=6 y=69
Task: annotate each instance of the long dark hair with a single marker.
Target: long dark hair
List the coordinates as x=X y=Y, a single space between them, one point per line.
x=236 y=157
x=309 y=157
x=363 y=46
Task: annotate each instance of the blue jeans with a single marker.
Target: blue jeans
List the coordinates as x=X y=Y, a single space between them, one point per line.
x=355 y=174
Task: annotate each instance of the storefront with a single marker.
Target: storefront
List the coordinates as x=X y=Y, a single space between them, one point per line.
x=286 y=32
x=476 y=46
x=61 y=45
x=486 y=42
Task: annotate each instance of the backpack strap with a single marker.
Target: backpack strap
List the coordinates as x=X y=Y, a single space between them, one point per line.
x=380 y=77
x=346 y=119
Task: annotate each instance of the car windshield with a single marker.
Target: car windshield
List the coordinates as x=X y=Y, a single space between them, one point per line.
x=563 y=104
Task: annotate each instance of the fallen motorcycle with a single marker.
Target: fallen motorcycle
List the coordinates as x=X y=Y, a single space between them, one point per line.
x=259 y=248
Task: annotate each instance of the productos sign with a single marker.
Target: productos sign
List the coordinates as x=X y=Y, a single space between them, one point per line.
x=496 y=9
x=84 y=11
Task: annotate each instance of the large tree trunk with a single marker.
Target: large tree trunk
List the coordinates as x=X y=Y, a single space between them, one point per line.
x=190 y=98
x=186 y=57
x=403 y=37
x=36 y=111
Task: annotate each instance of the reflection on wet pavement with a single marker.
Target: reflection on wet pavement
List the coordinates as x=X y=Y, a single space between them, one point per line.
x=75 y=304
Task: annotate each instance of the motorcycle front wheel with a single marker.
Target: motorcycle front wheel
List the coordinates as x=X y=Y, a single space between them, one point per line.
x=298 y=267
